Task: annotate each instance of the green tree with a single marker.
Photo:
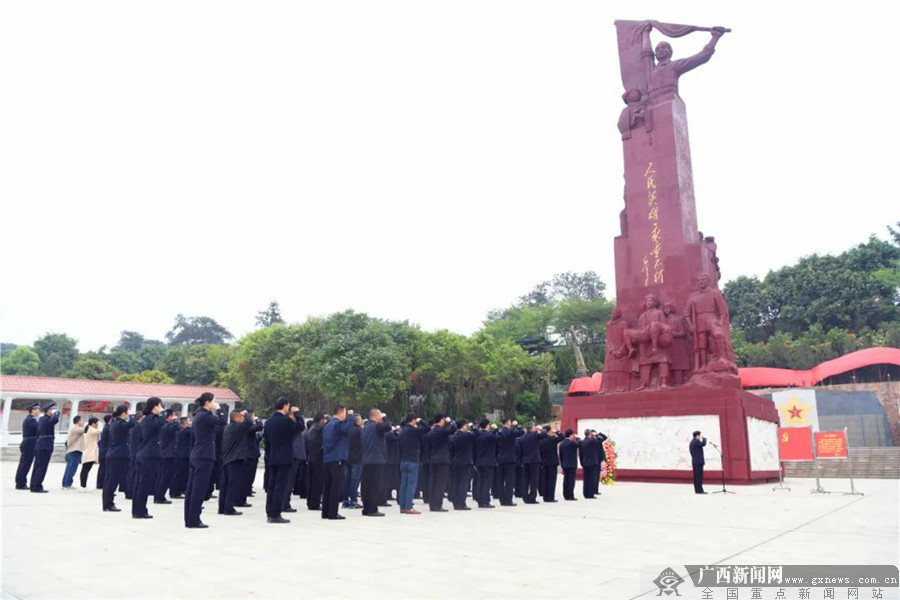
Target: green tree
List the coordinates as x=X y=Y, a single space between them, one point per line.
x=270 y=316
x=6 y=349
x=132 y=341
x=92 y=368
x=21 y=361
x=58 y=353
x=197 y=330
x=198 y=364
x=151 y=376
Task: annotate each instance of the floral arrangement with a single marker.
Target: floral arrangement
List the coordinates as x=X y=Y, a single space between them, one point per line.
x=608 y=466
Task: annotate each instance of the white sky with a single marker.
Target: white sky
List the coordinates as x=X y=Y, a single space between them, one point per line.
x=414 y=160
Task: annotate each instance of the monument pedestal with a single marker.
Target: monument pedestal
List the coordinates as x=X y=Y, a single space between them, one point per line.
x=652 y=430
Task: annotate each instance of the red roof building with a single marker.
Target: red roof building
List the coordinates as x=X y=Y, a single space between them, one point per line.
x=90 y=398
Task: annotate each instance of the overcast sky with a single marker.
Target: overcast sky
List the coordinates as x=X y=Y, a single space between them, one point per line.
x=414 y=160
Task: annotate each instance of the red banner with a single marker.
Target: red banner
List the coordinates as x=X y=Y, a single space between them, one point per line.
x=795 y=443
x=831 y=444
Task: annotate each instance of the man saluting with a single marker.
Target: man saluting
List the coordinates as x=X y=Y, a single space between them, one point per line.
x=697 y=460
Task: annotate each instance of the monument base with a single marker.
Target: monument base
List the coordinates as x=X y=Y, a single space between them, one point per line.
x=652 y=431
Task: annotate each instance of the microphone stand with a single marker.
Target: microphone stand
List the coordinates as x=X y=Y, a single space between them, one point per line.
x=722 y=460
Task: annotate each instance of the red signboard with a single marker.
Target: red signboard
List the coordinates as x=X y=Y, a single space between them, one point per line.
x=831 y=444
x=795 y=443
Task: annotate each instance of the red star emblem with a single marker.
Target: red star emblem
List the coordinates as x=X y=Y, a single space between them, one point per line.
x=795 y=412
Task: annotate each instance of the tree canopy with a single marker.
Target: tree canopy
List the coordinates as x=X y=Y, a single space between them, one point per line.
x=197 y=330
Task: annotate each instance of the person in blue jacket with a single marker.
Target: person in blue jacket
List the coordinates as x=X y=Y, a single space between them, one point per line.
x=279 y=432
x=374 y=459
x=208 y=418
x=568 y=460
x=462 y=452
x=438 y=449
x=117 y=456
x=410 y=444
x=43 y=447
x=26 y=446
x=335 y=452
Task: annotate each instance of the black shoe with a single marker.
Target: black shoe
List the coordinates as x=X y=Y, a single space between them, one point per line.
x=231 y=513
x=485 y=506
x=291 y=510
x=162 y=502
x=439 y=510
x=571 y=499
x=198 y=526
x=277 y=520
x=531 y=502
x=21 y=487
x=244 y=505
x=546 y=501
x=178 y=497
x=701 y=492
x=213 y=497
x=507 y=504
x=385 y=504
x=141 y=516
x=40 y=491
x=590 y=497
x=375 y=514
x=337 y=518
x=461 y=508
x=315 y=508
x=112 y=509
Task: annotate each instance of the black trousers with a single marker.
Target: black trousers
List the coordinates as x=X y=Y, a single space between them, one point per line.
x=231 y=486
x=198 y=482
x=279 y=488
x=101 y=470
x=590 y=480
x=548 y=483
x=485 y=483
x=314 y=494
x=461 y=476
x=180 y=478
x=423 y=484
x=440 y=473
x=569 y=483
x=85 y=471
x=301 y=485
x=532 y=475
x=116 y=472
x=506 y=474
x=146 y=484
x=698 y=478
x=252 y=464
x=41 y=462
x=333 y=485
x=214 y=478
x=26 y=459
x=521 y=486
x=164 y=479
x=371 y=488
x=134 y=474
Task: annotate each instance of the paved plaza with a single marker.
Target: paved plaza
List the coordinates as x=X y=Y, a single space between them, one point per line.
x=60 y=545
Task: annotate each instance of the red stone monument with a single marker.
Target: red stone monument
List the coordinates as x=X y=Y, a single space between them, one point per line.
x=670 y=366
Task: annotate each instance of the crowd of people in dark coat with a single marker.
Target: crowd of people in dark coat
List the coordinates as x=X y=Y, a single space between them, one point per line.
x=331 y=462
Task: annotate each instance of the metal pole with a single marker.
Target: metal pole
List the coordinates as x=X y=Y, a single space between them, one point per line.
x=780 y=485
x=819 y=489
x=853 y=491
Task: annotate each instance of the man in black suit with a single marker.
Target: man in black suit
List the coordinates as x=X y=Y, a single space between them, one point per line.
x=590 y=464
x=207 y=420
x=568 y=459
x=438 y=450
x=697 y=461
x=531 y=461
x=252 y=461
x=280 y=429
x=486 y=441
x=234 y=453
x=549 y=447
x=102 y=448
x=116 y=457
x=462 y=451
x=148 y=459
x=134 y=444
x=167 y=458
x=26 y=447
x=315 y=463
x=374 y=459
x=506 y=460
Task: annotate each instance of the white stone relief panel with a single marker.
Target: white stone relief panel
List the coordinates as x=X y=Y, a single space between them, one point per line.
x=763 y=439
x=658 y=443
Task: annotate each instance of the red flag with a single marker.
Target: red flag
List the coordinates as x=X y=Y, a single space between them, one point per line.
x=795 y=443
